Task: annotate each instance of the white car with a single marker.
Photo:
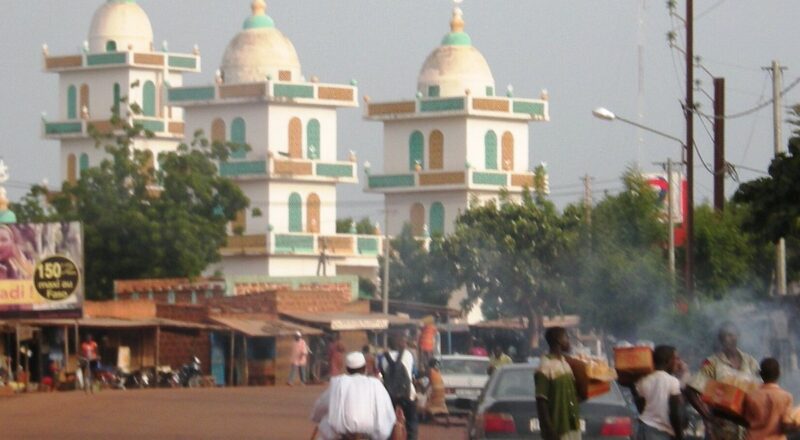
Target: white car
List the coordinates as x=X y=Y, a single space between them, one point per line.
x=464 y=378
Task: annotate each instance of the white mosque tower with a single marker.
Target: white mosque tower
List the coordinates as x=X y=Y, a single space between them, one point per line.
x=117 y=61
x=261 y=98
x=457 y=141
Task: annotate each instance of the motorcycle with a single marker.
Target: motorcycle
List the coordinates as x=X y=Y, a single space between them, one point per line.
x=189 y=375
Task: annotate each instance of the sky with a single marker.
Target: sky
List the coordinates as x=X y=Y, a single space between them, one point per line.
x=583 y=52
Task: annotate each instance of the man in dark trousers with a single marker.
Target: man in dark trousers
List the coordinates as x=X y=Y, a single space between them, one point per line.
x=396 y=367
x=658 y=398
x=557 y=390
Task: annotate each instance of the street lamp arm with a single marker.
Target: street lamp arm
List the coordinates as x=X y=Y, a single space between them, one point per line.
x=651 y=130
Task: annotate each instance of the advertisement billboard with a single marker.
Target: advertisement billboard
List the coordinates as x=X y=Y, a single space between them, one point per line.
x=41 y=270
x=660 y=183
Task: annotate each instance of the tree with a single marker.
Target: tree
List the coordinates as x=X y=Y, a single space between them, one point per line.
x=143 y=221
x=508 y=255
x=363 y=227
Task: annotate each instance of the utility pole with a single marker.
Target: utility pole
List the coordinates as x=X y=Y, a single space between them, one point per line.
x=385 y=289
x=689 y=112
x=780 y=248
x=719 y=144
x=670 y=218
x=587 y=198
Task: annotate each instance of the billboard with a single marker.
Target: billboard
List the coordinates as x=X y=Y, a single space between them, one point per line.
x=41 y=270
x=660 y=183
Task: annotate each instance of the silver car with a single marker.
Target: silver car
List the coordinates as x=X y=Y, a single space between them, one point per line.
x=464 y=377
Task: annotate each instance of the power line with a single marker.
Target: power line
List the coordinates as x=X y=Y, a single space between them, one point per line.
x=752 y=110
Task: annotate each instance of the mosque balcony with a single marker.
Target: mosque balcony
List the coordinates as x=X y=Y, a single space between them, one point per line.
x=304 y=244
x=470 y=179
x=491 y=106
x=81 y=128
x=289 y=169
x=175 y=62
x=311 y=93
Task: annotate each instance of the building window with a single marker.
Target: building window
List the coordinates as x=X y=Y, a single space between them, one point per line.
x=436 y=150
x=508 y=151
x=239 y=224
x=194 y=297
x=437 y=219
x=416 y=150
x=417 y=217
x=218 y=131
x=284 y=75
x=84 y=102
x=433 y=91
x=84 y=162
x=313 y=139
x=295 y=138
x=170 y=297
x=149 y=99
x=111 y=46
x=295 y=213
x=72 y=102
x=117 y=99
x=489 y=91
x=490 y=152
x=313 y=213
x=72 y=171
x=239 y=137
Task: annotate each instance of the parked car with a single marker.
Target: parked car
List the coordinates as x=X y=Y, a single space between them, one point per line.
x=507 y=409
x=464 y=377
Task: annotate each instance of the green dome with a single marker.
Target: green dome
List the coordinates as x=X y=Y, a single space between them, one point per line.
x=457 y=39
x=259 y=22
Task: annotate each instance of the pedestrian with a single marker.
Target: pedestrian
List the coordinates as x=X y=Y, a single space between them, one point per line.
x=436 y=404
x=88 y=362
x=478 y=348
x=372 y=367
x=336 y=353
x=557 y=390
x=729 y=363
x=658 y=398
x=427 y=343
x=299 y=359
x=397 y=367
x=766 y=408
x=498 y=359
x=355 y=406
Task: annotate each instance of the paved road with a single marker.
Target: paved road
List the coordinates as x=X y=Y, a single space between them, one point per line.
x=233 y=413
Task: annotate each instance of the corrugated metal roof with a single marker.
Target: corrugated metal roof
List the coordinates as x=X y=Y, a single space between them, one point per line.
x=351 y=321
x=265 y=328
x=116 y=323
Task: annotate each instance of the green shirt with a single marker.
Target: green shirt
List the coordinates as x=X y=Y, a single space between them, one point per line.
x=555 y=383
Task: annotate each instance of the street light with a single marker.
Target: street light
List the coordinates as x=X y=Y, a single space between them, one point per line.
x=607 y=115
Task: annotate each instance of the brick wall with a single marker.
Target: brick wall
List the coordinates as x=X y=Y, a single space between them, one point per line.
x=311 y=302
x=258 y=303
x=177 y=346
x=182 y=312
x=119 y=309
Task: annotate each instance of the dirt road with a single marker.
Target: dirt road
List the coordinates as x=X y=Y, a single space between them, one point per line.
x=232 y=413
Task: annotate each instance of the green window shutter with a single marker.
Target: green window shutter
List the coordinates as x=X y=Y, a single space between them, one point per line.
x=149 y=101
x=117 y=98
x=170 y=297
x=295 y=213
x=84 y=162
x=416 y=150
x=437 y=219
x=313 y=139
x=490 y=143
x=239 y=137
x=433 y=91
x=72 y=102
x=111 y=46
x=489 y=91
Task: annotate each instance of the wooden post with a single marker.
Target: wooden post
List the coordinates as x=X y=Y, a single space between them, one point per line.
x=39 y=361
x=16 y=365
x=233 y=360
x=66 y=348
x=246 y=363
x=158 y=347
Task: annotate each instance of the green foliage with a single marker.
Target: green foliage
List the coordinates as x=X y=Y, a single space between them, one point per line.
x=141 y=221
x=363 y=227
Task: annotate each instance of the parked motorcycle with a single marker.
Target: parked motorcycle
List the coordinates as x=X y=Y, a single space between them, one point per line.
x=189 y=375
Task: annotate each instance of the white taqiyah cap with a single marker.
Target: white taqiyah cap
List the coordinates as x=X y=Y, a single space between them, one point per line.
x=355 y=360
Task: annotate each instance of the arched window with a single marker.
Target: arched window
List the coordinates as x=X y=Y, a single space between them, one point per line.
x=149 y=99
x=295 y=213
x=170 y=297
x=84 y=102
x=111 y=46
x=239 y=224
x=72 y=102
x=436 y=226
x=218 y=130
x=417 y=219
x=508 y=151
x=295 y=138
x=117 y=98
x=416 y=150
x=84 y=162
x=72 y=172
x=313 y=213
x=239 y=137
x=436 y=150
x=313 y=139
x=490 y=145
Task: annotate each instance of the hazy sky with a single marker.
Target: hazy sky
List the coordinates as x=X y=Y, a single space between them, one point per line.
x=584 y=52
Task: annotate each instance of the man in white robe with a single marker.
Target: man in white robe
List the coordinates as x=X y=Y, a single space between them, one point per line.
x=354 y=406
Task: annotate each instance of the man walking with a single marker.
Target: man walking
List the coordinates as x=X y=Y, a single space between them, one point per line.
x=658 y=398
x=396 y=367
x=88 y=362
x=299 y=359
x=355 y=406
x=557 y=391
x=766 y=408
x=498 y=359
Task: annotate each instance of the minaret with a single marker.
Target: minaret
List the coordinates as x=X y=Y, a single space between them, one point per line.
x=456 y=142
x=117 y=62
x=261 y=98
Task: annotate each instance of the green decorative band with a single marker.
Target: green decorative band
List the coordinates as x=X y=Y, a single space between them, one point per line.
x=154 y=126
x=440 y=105
x=294 y=91
x=191 y=94
x=367 y=246
x=500 y=179
x=183 y=62
x=395 y=181
x=457 y=39
x=232 y=169
x=533 y=108
x=63 y=127
x=106 y=58
x=289 y=243
x=259 y=22
x=334 y=170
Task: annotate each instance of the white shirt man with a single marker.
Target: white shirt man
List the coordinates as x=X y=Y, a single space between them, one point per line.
x=408 y=363
x=656 y=388
x=354 y=404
